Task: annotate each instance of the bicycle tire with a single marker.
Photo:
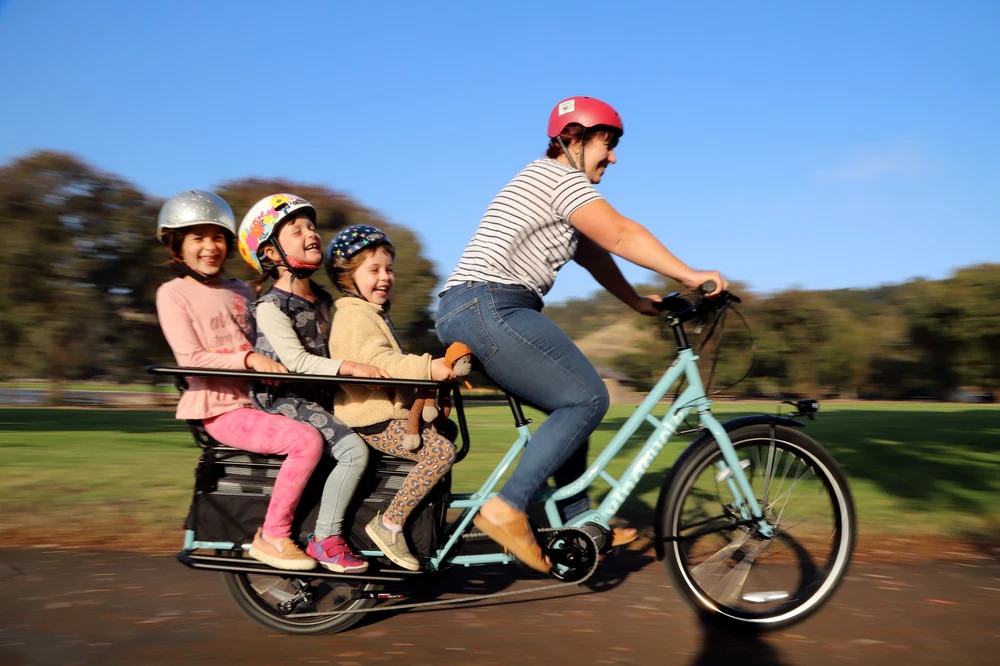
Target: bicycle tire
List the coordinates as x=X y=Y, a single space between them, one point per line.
x=724 y=565
x=258 y=597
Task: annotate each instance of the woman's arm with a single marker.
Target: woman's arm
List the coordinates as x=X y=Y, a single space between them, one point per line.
x=616 y=234
x=602 y=266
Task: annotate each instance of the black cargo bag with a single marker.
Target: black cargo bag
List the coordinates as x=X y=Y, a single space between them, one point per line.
x=233 y=487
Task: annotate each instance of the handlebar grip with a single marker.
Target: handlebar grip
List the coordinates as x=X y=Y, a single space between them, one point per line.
x=708 y=287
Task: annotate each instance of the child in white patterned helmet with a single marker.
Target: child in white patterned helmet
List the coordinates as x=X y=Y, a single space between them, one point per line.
x=278 y=238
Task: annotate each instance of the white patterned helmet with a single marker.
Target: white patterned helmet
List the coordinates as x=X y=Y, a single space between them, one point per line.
x=262 y=220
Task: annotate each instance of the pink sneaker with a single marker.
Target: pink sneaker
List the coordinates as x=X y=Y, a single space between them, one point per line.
x=335 y=554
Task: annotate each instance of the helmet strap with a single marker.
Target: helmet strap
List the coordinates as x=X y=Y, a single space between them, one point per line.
x=353 y=292
x=200 y=277
x=565 y=150
x=300 y=270
x=348 y=291
x=297 y=268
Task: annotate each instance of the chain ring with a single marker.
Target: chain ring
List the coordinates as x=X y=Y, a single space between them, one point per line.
x=573 y=553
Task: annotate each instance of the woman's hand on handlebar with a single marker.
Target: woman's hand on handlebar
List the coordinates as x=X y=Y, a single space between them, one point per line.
x=698 y=279
x=647 y=305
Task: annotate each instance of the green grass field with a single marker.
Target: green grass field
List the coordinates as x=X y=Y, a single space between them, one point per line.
x=124 y=477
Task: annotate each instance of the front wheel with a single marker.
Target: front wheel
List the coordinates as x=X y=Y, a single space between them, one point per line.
x=766 y=572
x=294 y=603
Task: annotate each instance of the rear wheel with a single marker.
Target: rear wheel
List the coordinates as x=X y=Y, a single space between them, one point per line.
x=295 y=603
x=770 y=572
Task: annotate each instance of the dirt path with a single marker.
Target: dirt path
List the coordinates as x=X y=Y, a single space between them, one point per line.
x=84 y=607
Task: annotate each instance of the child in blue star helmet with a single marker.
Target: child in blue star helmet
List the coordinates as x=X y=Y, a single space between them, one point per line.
x=345 y=246
x=360 y=262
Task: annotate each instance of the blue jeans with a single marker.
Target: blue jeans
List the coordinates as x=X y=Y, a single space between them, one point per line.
x=529 y=356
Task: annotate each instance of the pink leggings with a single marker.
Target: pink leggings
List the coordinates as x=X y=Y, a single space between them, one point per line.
x=261 y=432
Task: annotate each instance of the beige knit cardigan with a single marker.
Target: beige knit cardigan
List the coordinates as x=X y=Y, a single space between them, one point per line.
x=362 y=332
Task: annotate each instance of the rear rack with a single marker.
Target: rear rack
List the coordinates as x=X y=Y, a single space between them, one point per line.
x=444 y=389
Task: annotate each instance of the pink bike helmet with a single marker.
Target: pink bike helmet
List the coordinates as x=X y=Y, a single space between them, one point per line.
x=588 y=111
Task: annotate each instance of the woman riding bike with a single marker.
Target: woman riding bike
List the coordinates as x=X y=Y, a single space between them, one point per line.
x=549 y=214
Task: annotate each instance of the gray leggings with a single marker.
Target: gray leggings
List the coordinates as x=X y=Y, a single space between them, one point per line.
x=346 y=447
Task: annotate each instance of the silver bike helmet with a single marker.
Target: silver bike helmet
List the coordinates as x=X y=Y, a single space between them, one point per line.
x=191 y=207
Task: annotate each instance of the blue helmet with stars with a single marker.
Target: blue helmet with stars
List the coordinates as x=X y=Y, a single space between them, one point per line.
x=346 y=245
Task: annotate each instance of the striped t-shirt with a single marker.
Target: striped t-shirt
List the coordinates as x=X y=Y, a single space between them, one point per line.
x=525 y=237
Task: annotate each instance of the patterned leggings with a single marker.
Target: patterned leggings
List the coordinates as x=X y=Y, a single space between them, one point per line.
x=433 y=459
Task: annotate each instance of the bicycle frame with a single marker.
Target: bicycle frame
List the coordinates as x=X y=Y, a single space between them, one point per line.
x=693 y=397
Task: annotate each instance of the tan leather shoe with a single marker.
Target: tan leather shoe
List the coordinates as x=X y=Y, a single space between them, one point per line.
x=621 y=536
x=516 y=536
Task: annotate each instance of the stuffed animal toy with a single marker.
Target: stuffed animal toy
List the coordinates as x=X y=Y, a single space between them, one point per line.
x=458 y=357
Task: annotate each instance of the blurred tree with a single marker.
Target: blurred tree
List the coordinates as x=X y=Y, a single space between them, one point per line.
x=932 y=315
x=894 y=372
x=84 y=267
x=869 y=334
x=975 y=294
x=795 y=330
x=79 y=261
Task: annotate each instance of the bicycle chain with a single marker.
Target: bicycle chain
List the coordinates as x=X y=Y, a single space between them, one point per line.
x=477 y=597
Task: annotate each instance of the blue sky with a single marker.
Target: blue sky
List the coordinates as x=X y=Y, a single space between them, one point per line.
x=789 y=144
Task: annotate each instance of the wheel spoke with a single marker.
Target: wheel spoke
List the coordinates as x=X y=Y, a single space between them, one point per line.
x=724 y=574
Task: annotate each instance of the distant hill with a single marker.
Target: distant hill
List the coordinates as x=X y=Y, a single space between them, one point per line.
x=920 y=339
x=602 y=326
x=618 y=336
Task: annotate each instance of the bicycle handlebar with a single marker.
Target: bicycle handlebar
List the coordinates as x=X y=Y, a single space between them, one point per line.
x=681 y=309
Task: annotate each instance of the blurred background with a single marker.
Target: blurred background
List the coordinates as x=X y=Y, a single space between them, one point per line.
x=837 y=161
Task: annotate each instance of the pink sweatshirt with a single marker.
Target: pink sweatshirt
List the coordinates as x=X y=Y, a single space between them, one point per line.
x=208 y=326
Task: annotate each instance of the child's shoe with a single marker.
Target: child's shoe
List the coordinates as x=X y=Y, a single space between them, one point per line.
x=335 y=554
x=392 y=544
x=280 y=553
